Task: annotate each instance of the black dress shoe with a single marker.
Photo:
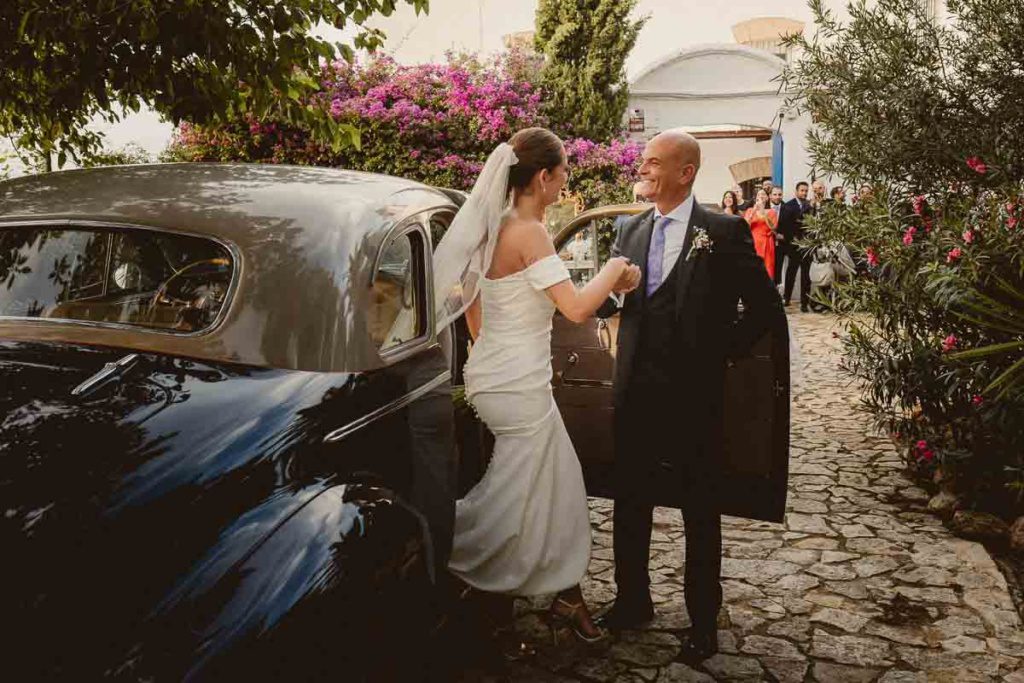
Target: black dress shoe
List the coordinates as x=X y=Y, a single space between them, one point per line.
x=698 y=646
x=624 y=616
x=803 y=308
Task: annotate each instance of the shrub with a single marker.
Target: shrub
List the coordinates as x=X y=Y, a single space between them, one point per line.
x=435 y=123
x=935 y=329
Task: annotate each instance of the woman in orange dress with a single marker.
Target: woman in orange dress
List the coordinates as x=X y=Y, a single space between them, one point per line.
x=763 y=222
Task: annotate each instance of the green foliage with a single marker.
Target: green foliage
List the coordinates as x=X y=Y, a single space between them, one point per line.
x=123 y=156
x=586 y=43
x=929 y=115
x=435 y=123
x=198 y=60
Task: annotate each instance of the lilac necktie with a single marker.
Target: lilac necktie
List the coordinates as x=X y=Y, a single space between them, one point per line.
x=656 y=256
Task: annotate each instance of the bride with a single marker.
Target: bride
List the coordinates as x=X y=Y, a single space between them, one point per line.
x=524 y=529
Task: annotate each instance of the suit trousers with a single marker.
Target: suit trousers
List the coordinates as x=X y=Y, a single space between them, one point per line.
x=780 y=260
x=645 y=432
x=802 y=262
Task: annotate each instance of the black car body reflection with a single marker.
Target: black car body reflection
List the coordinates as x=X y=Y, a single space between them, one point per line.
x=227 y=448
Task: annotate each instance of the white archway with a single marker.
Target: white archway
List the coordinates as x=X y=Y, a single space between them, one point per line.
x=716 y=85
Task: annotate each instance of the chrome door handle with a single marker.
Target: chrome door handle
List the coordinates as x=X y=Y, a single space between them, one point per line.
x=602 y=331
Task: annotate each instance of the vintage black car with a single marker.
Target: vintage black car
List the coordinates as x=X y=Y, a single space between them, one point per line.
x=228 y=443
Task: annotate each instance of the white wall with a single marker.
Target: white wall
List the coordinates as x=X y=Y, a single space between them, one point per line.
x=716 y=156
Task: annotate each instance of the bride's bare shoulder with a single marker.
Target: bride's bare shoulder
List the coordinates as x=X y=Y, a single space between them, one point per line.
x=524 y=233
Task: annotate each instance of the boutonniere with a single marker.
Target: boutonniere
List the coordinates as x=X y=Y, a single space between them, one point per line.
x=701 y=242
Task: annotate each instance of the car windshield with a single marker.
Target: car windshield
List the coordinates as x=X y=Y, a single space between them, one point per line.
x=138 y=277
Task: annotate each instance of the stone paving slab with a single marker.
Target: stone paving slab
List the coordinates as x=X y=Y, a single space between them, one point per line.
x=859 y=584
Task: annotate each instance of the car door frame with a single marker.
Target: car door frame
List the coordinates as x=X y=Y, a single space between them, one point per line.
x=757 y=489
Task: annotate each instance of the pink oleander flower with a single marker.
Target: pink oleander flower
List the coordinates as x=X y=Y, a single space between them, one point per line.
x=977 y=165
x=949 y=343
x=924 y=452
x=1011 y=222
x=872 y=257
x=908 y=236
x=919 y=203
x=968 y=236
x=977 y=400
x=954 y=254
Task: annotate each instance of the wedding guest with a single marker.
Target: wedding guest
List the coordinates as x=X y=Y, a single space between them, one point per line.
x=729 y=204
x=638 y=198
x=838 y=194
x=780 y=253
x=763 y=221
x=791 y=227
x=818 y=194
x=740 y=204
x=638 y=192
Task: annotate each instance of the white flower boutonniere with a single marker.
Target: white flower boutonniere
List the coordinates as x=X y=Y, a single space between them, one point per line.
x=701 y=242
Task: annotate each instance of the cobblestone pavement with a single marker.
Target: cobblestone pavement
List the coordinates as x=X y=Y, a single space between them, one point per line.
x=859 y=584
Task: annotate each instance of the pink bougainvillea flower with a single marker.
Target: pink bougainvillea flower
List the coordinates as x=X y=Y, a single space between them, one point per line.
x=908 y=236
x=977 y=165
x=968 y=236
x=954 y=254
x=949 y=343
x=872 y=257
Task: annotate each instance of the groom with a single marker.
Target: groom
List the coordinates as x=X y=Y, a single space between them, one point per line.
x=677 y=331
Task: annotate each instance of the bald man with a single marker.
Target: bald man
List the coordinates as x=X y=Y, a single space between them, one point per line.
x=676 y=333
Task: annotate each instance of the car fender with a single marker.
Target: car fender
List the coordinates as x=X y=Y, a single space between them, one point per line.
x=304 y=580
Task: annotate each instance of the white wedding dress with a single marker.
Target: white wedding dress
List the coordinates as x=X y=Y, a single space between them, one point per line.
x=524 y=529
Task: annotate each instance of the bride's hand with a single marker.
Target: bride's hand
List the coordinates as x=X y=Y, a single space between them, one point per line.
x=629 y=278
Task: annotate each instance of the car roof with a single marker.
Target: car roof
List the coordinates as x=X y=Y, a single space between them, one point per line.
x=304 y=238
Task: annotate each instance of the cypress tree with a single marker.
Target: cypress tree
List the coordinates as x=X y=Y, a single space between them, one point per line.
x=585 y=44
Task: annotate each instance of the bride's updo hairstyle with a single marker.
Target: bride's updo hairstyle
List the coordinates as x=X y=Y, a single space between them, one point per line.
x=536 y=149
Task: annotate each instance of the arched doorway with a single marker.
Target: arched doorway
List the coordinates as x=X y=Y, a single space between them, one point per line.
x=728 y=96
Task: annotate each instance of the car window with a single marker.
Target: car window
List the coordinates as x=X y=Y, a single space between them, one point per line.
x=397 y=300
x=143 y=278
x=439 y=223
x=587 y=249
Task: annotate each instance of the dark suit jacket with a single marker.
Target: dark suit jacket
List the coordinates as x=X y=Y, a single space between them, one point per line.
x=710 y=286
x=791 y=221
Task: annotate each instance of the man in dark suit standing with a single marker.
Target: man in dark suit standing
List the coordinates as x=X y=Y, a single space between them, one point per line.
x=676 y=333
x=791 y=227
x=775 y=202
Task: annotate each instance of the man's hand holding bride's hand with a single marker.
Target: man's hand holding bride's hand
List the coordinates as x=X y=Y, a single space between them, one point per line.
x=629 y=278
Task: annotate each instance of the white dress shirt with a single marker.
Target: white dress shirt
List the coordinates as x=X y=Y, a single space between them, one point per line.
x=675 y=233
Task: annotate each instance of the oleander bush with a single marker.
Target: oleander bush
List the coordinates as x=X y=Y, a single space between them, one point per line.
x=929 y=114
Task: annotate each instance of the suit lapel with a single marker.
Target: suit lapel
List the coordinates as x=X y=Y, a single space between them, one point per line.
x=687 y=264
x=640 y=247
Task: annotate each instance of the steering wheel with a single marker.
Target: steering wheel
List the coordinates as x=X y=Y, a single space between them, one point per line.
x=162 y=297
